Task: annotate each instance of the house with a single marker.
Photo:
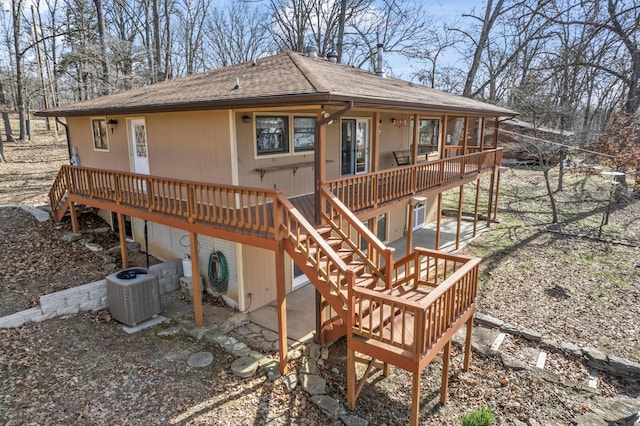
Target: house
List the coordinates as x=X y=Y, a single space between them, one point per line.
x=296 y=168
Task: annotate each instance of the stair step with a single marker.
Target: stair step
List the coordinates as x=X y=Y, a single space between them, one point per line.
x=324 y=231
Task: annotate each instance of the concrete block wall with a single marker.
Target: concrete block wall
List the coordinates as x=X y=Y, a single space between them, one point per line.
x=88 y=297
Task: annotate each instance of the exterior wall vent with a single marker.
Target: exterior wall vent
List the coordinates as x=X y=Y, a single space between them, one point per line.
x=133 y=295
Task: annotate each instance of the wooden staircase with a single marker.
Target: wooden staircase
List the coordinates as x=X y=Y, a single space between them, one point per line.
x=400 y=312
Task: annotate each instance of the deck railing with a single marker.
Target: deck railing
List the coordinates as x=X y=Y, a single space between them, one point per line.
x=365 y=245
x=370 y=190
x=416 y=325
x=249 y=209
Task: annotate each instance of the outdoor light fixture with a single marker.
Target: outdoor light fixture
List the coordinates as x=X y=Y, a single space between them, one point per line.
x=246 y=119
x=112 y=123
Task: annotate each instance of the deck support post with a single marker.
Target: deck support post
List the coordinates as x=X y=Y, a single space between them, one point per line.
x=195 y=279
x=282 y=309
x=459 y=224
x=467 y=344
x=444 y=387
x=490 y=200
x=438 y=221
x=123 y=241
x=475 y=208
x=410 y=230
x=495 y=204
x=351 y=377
x=415 y=399
x=74 y=217
x=414 y=138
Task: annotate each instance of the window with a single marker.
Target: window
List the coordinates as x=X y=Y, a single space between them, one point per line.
x=272 y=134
x=382 y=227
x=100 y=139
x=428 y=135
x=304 y=133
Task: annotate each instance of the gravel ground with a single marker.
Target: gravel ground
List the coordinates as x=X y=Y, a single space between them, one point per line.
x=85 y=370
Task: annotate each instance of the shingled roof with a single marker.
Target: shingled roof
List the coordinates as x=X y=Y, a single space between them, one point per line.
x=286 y=79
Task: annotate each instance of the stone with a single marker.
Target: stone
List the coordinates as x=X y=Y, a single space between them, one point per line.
x=269 y=335
x=351 y=420
x=329 y=406
x=309 y=366
x=324 y=353
x=113 y=251
x=107 y=258
x=171 y=331
x=621 y=410
x=94 y=247
x=240 y=350
x=521 y=331
x=313 y=385
x=295 y=354
x=571 y=349
x=196 y=332
x=623 y=366
x=200 y=359
x=314 y=351
x=290 y=381
x=532 y=422
x=254 y=327
x=273 y=374
x=71 y=236
x=482 y=339
x=243 y=331
x=133 y=246
x=595 y=355
x=108 y=267
x=102 y=230
x=238 y=319
x=589 y=419
x=517 y=422
x=229 y=344
x=266 y=363
x=488 y=320
x=334 y=370
x=244 y=367
x=86 y=240
x=256 y=355
x=512 y=363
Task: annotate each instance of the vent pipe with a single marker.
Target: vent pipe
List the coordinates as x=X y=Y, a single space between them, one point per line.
x=312 y=51
x=332 y=56
x=379 y=62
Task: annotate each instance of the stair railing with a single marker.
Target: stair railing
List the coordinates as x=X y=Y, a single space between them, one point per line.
x=317 y=253
x=377 y=257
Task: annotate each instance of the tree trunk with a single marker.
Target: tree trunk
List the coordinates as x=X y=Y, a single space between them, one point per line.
x=106 y=87
x=563 y=156
x=552 y=198
x=156 y=41
x=340 y=45
x=5 y=115
x=17 y=12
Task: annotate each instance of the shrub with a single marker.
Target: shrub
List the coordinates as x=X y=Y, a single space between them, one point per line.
x=479 y=417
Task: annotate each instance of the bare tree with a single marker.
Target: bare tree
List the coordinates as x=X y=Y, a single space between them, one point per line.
x=104 y=60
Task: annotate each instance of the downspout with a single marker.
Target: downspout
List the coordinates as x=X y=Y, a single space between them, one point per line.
x=66 y=131
x=316 y=151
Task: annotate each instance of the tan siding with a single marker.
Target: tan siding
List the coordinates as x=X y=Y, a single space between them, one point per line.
x=397 y=221
x=81 y=136
x=190 y=145
x=260 y=276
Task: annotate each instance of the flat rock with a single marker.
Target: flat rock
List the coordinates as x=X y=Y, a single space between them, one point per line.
x=482 y=338
x=254 y=327
x=512 y=363
x=351 y=420
x=133 y=246
x=113 y=250
x=620 y=410
x=314 y=351
x=589 y=419
x=521 y=331
x=571 y=349
x=171 y=331
x=238 y=319
x=313 y=385
x=200 y=359
x=87 y=239
x=329 y=406
x=71 y=236
x=243 y=331
x=95 y=247
x=488 y=320
x=273 y=374
x=244 y=367
x=290 y=381
x=595 y=355
x=107 y=258
x=102 y=230
x=269 y=335
x=309 y=366
x=623 y=365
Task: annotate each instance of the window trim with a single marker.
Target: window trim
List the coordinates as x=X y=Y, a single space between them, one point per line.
x=436 y=145
x=106 y=134
x=291 y=128
x=293 y=135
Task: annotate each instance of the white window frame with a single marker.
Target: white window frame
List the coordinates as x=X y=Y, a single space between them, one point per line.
x=106 y=134
x=437 y=145
x=291 y=137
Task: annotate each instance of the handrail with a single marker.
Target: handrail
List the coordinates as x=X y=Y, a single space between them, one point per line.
x=316 y=251
x=250 y=209
x=354 y=232
x=58 y=190
x=369 y=190
x=422 y=322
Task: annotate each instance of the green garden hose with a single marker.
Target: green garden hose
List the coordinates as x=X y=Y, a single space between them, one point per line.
x=218 y=273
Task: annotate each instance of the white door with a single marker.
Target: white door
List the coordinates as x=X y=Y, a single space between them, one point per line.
x=139 y=150
x=419 y=215
x=355 y=146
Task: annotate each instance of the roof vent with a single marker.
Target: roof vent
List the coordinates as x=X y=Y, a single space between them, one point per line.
x=332 y=56
x=379 y=70
x=312 y=51
x=237 y=86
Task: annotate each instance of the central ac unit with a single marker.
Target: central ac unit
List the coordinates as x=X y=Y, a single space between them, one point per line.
x=133 y=295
